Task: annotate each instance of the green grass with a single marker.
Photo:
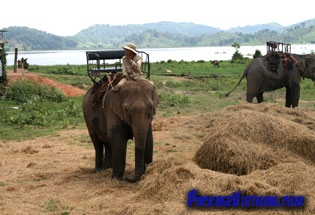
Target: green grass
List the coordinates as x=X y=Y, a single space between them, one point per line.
x=199 y=69
x=29 y=111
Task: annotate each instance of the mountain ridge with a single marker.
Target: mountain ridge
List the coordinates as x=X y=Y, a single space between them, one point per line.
x=162 y=34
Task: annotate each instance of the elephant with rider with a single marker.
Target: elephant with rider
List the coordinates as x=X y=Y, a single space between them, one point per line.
x=121 y=115
x=277 y=70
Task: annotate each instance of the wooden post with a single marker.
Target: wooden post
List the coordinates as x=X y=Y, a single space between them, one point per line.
x=1 y=53
x=15 y=58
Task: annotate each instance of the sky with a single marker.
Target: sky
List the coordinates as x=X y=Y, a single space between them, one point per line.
x=67 y=18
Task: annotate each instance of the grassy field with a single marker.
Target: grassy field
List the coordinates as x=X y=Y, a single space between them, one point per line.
x=190 y=88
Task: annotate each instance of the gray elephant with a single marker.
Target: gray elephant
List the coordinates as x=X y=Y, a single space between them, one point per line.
x=274 y=71
x=117 y=117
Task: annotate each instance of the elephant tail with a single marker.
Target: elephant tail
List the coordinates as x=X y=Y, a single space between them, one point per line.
x=243 y=76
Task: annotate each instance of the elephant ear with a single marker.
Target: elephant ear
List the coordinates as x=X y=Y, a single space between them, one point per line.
x=307 y=61
x=304 y=64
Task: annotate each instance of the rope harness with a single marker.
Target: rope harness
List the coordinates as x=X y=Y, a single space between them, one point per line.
x=286 y=67
x=287 y=63
x=300 y=66
x=108 y=82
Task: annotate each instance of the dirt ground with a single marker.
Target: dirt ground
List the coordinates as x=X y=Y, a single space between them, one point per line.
x=54 y=174
x=68 y=90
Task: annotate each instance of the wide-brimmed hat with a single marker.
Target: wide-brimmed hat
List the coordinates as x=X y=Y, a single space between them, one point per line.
x=132 y=47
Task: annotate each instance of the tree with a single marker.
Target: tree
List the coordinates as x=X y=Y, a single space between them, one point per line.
x=257 y=54
x=237 y=56
x=236 y=45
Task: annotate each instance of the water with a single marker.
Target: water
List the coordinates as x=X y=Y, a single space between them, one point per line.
x=78 y=57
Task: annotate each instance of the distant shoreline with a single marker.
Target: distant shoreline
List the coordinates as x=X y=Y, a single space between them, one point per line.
x=78 y=57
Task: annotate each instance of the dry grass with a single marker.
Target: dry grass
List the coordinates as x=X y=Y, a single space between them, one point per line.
x=258 y=149
x=249 y=140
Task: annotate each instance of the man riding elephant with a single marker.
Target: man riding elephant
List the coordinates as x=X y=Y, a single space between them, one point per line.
x=125 y=112
x=131 y=66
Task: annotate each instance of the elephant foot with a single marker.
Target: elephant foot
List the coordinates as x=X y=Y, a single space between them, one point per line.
x=134 y=179
x=97 y=170
x=139 y=166
x=119 y=179
x=107 y=166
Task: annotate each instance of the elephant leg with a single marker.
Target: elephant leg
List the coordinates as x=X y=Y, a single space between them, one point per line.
x=139 y=167
x=148 y=156
x=260 y=97
x=108 y=156
x=288 y=96
x=292 y=96
x=99 y=154
x=119 y=148
x=251 y=91
x=295 y=95
x=249 y=97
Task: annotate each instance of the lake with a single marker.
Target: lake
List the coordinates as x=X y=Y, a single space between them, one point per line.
x=78 y=57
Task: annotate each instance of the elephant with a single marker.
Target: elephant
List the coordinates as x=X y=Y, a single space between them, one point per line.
x=277 y=70
x=122 y=115
x=215 y=63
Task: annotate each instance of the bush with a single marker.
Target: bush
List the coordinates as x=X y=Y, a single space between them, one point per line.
x=38 y=106
x=237 y=56
x=65 y=70
x=23 y=91
x=257 y=54
x=43 y=114
x=174 y=99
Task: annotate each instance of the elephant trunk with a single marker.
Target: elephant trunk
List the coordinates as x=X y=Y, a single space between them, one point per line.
x=140 y=131
x=139 y=166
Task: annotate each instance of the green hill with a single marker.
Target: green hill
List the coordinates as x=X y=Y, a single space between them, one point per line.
x=28 y=39
x=160 y=35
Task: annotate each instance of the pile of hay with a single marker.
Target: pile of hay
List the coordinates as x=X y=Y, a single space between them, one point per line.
x=268 y=153
x=249 y=140
x=164 y=188
x=267 y=148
